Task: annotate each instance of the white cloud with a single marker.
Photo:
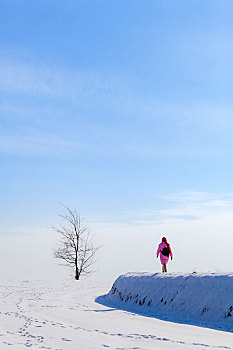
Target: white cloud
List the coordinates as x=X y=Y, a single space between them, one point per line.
x=53 y=82
x=179 y=207
x=110 y=106
x=39 y=143
x=201 y=200
x=203 y=244
x=109 y=90
x=200 y=242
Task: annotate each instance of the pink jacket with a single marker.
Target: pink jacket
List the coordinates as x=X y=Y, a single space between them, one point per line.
x=163 y=258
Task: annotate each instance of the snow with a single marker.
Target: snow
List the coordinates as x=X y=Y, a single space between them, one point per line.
x=64 y=315
x=198 y=299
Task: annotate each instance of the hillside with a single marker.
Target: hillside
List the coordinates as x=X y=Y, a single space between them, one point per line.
x=198 y=299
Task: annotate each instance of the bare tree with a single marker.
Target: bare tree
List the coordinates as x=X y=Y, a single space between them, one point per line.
x=76 y=246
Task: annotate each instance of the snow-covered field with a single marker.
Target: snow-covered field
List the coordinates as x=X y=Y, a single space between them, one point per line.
x=65 y=315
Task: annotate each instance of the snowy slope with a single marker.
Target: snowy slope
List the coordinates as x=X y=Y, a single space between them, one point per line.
x=200 y=299
x=65 y=316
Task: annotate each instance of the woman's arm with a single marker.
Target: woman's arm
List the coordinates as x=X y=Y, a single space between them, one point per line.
x=158 y=251
x=171 y=252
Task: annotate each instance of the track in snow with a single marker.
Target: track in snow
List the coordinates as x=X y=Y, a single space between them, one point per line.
x=64 y=315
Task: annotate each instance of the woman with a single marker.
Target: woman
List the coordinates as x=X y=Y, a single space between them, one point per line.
x=164 y=250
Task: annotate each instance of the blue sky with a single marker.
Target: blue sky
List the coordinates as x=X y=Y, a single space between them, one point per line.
x=115 y=108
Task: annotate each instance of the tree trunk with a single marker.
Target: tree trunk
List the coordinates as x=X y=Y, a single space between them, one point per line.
x=76 y=270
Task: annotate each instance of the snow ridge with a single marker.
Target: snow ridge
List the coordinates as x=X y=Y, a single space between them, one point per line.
x=198 y=299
